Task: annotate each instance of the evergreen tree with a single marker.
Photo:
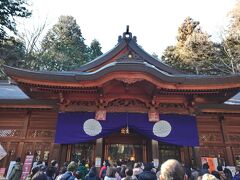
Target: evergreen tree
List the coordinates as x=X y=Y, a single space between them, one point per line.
x=185 y=30
x=8 y=10
x=12 y=53
x=95 y=49
x=193 y=52
x=63 y=47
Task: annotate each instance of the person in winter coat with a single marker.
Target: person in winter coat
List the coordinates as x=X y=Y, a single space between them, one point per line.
x=137 y=170
x=16 y=170
x=92 y=175
x=103 y=169
x=50 y=172
x=40 y=176
x=147 y=173
x=204 y=169
x=110 y=174
x=129 y=173
x=221 y=173
x=61 y=172
x=33 y=172
x=68 y=175
x=82 y=170
x=228 y=173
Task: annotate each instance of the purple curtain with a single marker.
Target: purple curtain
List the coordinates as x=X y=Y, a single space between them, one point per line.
x=77 y=127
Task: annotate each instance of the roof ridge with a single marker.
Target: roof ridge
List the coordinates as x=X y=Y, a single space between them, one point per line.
x=129 y=42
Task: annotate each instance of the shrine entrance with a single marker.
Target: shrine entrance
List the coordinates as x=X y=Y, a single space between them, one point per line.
x=127 y=146
x=135 y=147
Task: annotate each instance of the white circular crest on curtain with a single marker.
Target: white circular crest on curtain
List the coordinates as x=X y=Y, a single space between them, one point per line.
x=162 y=128
x=92 y=127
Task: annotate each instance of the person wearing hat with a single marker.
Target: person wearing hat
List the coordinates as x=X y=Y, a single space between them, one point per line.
x=69 y=174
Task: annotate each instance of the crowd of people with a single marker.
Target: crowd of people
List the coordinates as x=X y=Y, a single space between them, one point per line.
x=169 y=170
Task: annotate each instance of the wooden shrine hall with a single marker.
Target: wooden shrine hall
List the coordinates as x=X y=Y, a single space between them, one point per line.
x=123 y=105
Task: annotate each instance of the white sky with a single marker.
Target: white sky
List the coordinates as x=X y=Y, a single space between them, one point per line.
x=154 y=22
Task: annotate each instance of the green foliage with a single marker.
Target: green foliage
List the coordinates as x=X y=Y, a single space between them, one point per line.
x=12 y=53
x=193 y=52
x=9 y=9
x=63 y=47
x=95 y=49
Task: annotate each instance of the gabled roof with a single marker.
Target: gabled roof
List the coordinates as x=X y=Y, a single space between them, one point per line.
x=127 y=45
x=10 y=91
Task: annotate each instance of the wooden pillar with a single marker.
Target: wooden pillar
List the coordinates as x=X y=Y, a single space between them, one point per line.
x=99 y=147
x=144 y=153
x=63 y=154
x=222 y=127
x=26 y=124
x=69 y=150
x=99 y=153
x=19 y=150
x=229 y=154
x=182 y=154
x=155 y=151
x=197 y=158
x=50 y=156
x=230 y=159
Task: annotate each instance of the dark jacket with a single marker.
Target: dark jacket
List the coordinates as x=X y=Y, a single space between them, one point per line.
x=16 y=172
x=92 y=175
x=237 y=176
x=68 y=176
x=147 y=175
x=82 y=170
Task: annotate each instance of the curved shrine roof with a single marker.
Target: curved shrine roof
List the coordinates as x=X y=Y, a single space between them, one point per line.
x=127 y=66
x=128 y=58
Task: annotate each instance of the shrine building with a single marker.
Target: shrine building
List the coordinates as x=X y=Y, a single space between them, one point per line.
x=123 y=105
